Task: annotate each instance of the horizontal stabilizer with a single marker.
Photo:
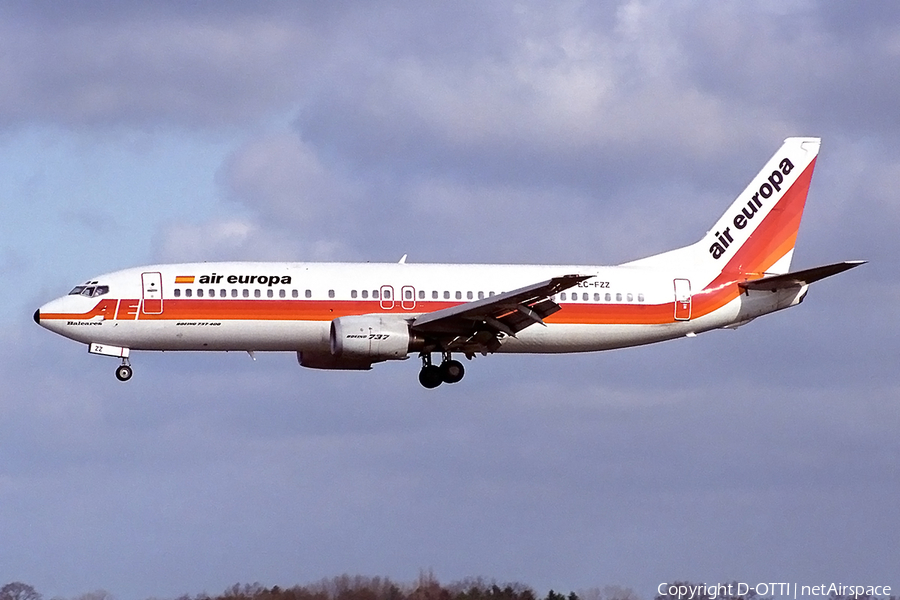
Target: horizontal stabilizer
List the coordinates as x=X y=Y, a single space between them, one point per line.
x=797 y=278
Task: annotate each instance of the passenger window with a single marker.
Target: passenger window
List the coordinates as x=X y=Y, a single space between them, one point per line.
x=187 y=293
x=177 y=293
x=222 y=293
x=294 y=294
x=596 y=297
x=608 y=297
x=407 y=294
x=618 y=297
x=490 y=293
x=365 y=294
x=640 y=297
x=212 y=293
x=271 y=293
x=282 y=293
x=480 y=295
x=308 y=293
x=459 y=295
x=562 y=296
x=446 y=295
x=469 y=295
x=246 y=293
x=434 y=295
x=234 y=293
x=375 y=294
x=387 y=294
x=353 y=294
x=421 y=294
x=257 y=293
x=630 y=298
x=331 y=293
x=584 y=296
x=200 y=293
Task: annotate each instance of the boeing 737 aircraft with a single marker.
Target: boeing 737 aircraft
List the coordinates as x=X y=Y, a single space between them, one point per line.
x=351 y=316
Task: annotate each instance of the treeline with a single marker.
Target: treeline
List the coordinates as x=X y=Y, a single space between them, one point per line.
x=427 y=587
x=347 y=587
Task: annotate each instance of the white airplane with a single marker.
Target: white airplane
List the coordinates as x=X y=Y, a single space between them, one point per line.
x=352 y=315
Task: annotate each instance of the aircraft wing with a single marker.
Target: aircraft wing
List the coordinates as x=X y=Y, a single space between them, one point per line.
x=478 y=326
x=798 y=278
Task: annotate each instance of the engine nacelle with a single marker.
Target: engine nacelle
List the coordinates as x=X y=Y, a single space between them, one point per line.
x=372 y=338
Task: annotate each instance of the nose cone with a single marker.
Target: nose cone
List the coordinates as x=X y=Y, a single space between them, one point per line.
x=37 y=316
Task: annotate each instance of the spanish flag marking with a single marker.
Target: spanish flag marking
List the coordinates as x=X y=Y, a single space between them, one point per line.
x=184 y=279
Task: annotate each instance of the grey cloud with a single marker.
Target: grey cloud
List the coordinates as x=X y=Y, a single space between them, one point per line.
x=586 y=80
x=138 y=65
x=140 y=71
x=821 y=68
x=285 y=179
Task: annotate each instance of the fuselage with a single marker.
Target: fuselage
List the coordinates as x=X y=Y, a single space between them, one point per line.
x=290 y=306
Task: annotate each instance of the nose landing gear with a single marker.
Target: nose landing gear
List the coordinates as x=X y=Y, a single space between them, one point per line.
x=449 y=371
x=124 y=371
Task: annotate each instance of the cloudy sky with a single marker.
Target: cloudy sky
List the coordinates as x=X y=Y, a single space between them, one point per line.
x=132 y=133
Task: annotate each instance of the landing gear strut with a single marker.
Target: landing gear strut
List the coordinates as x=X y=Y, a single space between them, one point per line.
x=124 y=372
x=449 y=371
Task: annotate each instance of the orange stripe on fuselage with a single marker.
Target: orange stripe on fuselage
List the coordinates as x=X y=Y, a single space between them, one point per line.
x=326 y=310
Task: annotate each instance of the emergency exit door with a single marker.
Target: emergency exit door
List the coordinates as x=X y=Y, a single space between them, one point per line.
x=682 y=300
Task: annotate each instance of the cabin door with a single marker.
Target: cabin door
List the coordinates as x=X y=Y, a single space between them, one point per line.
x=682 y=300
x=152 y=293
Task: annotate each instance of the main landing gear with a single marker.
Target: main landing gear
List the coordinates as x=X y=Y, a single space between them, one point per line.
x=449 y=371
x=123 y=371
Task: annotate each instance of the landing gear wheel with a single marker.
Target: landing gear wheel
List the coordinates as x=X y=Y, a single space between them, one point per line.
x=430 y=376
x=451 y=371
x=123 y=373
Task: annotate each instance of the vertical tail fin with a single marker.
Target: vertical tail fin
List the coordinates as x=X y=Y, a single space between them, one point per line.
x=757 y=233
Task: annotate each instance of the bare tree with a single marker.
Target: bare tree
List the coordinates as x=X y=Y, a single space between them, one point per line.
x=18 y=591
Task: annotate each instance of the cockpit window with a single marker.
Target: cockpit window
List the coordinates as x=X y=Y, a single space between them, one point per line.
x=90 y=291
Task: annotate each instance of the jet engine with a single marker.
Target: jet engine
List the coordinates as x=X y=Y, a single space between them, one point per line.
x=372 y=338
